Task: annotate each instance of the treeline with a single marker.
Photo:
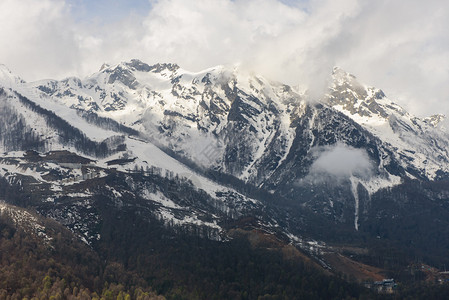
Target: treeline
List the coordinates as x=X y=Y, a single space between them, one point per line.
x=59 y=289
x=68 y=135
x=106 y=123
x=64 y=268
x=15 y=134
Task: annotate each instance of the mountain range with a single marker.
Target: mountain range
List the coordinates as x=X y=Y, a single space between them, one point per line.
x=205 y=154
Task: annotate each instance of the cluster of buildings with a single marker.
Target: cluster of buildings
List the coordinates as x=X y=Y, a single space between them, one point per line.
x=386 y=286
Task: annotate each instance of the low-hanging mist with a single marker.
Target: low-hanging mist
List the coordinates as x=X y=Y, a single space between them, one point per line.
x=339 y=162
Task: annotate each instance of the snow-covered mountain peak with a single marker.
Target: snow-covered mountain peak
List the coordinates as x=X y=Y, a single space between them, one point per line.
x=104 y=66
x=370 y=106
x=357 y=100
x=7 y=78
x=417 y=140
x=135 y=65
x=339 y=75
x=129 y=74
x=434 y=120
x=5 y=71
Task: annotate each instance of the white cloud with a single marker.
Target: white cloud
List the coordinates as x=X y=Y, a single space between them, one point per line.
x=399 y=46
x=340 y=160
x=403 y=48
x=37 y=38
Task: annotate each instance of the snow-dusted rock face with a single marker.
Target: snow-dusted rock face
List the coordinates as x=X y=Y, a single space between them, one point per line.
x=245 y=125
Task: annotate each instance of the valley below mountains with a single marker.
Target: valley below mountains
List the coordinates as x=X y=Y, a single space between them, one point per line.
x=150 y=181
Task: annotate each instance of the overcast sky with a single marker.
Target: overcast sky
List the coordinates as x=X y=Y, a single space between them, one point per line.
x=399 y=46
